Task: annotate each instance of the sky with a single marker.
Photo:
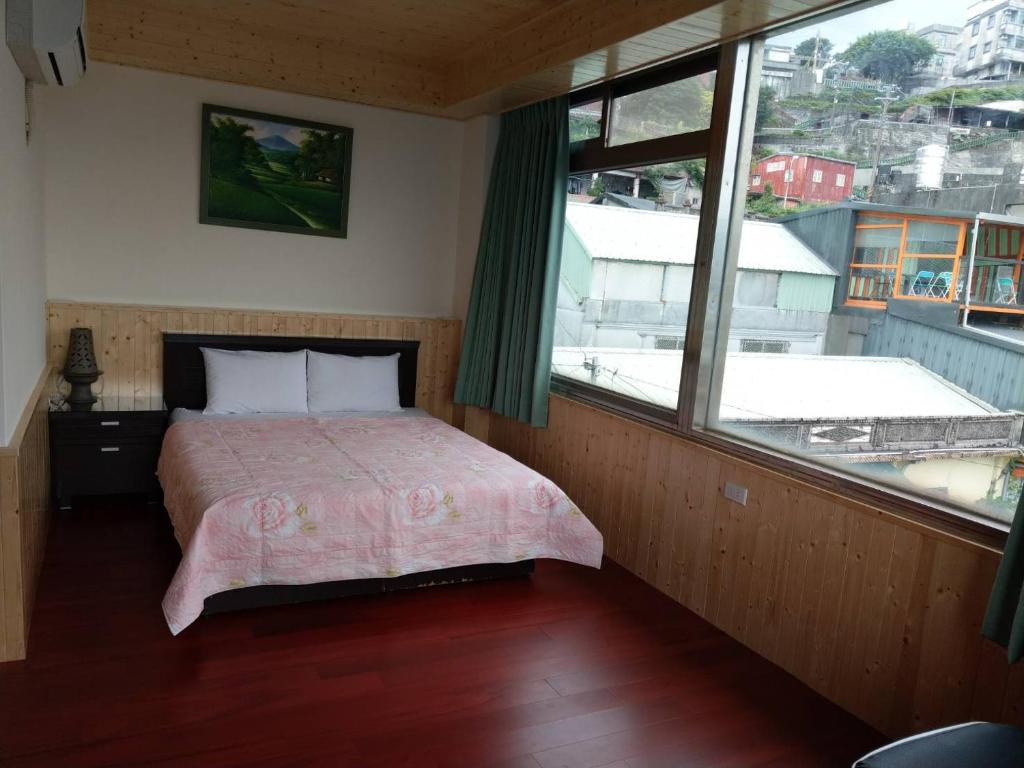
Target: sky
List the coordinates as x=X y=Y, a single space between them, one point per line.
x=263 y=128
x=892 y=15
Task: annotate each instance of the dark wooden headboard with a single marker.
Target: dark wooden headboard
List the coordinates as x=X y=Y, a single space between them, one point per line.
x=185 y=374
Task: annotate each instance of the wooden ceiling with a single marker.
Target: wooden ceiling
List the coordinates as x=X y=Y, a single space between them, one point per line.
x=456 y=58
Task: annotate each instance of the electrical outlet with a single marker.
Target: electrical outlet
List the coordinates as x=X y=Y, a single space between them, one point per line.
x=736 y=493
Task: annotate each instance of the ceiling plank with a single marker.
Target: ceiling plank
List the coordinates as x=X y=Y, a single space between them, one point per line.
x=542 y=56
x=456 y=58
x=182 y=43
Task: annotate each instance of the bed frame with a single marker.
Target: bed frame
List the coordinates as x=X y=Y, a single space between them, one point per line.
x=185 y=374
x=185 y=387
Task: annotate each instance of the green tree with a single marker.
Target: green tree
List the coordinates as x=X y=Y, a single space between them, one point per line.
x=232 y=150
x=684 y=105
x=765 y=202
x=695 y=170
x=805 y=50
x=765 y=106
x=889 y=55
x=319 y=150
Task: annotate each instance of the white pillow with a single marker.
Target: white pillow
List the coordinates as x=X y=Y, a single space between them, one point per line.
x=343 y=383
x=246 y=381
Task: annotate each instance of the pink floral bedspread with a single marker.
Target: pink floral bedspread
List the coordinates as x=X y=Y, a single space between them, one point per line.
x=310 y=499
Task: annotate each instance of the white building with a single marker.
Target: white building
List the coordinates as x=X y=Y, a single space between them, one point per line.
x=945 y=39
x=782 y=71
x=991 y=44
x=626 y=277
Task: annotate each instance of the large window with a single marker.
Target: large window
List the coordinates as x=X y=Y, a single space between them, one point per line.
x=905 y=391
x=627 y=270
x=856 y=320
x=899 y=255
x=632 y=225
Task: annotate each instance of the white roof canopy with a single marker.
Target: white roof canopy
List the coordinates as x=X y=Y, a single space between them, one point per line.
x=772 y=387
x=663 y=237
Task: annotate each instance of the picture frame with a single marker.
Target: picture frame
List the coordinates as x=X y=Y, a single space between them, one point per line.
x=271 y=172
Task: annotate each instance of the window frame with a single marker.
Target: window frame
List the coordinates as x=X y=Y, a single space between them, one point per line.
x=901 y=221
x=726 y=147
x=595 y=155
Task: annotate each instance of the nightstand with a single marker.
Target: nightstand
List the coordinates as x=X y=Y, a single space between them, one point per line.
x=110 y=449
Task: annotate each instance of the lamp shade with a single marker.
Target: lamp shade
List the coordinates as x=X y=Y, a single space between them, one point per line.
x=81 y=360
x=80 y=369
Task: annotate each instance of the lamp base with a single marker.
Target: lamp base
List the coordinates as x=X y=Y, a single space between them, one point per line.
x=81 y=397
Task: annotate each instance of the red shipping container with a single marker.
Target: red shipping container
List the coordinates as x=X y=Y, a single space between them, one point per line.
x=804 y=178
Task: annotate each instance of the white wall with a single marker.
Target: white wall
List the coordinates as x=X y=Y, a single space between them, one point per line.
x=479 y=142
x=22 y=279
x=122 y=203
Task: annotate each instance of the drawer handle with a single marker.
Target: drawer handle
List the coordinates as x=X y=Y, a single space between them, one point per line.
x=109 y=449
x=110 y=423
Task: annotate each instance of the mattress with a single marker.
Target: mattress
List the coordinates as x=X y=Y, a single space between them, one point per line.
x=286 y=499
x=187 y=414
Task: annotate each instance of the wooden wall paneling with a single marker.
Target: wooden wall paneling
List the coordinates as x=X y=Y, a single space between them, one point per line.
x=12 y=607
x=24 y=519
x=1013 y=700
x=33 y=468
x=674 y=566
x=821 y=515
x=652 y=502
x=758 y=616
x=129 y=341
x=702 y=552
x=880 y=614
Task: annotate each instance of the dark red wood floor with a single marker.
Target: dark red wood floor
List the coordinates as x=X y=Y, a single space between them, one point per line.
x=572 y=667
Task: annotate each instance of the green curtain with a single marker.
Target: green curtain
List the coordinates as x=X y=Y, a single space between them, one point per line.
x=506 y=349
x=1004 y=619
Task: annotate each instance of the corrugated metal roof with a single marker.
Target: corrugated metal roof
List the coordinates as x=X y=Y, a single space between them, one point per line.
x=798 y=155
x=766 y=386
x=624 y=234
x=777 y=386
x=992 y=371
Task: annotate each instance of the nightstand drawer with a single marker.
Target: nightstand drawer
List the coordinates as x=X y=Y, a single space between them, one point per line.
x=106 y=450
x=106 y=467
x=107 y=427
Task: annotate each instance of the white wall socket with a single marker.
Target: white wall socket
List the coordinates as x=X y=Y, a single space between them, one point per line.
x=736 y=493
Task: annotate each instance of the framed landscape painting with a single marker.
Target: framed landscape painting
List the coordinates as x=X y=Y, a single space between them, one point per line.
x=270 y=172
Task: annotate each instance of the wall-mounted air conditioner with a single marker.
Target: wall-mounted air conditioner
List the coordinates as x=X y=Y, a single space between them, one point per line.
x=47 y=39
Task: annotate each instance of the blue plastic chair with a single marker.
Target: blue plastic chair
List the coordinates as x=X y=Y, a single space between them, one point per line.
x=940 y=286
x=922 y=280
x=1006 y=291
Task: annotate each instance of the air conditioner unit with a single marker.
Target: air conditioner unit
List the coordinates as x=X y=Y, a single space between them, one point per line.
x=47 y=39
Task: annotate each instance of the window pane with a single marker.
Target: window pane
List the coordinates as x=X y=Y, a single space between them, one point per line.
x=928 y=277
x=666 y=110
x=871 y=284
x=585 y=121
x=627 y=270
x=877 y=246
x=756 y=289
x=868 y=355
x=932 y=237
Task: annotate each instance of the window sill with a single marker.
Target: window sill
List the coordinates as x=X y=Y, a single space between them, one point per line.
x=932 y=514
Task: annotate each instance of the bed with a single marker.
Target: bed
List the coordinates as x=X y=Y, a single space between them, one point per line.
x=271 y=508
